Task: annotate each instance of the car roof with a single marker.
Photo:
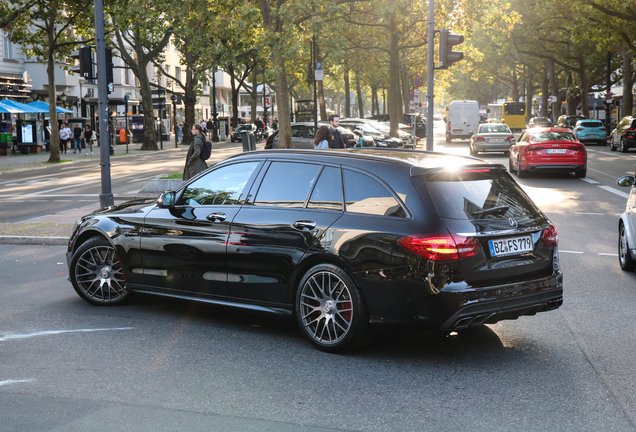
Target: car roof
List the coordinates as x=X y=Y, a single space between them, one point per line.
x=551 y=129
x=412 y=158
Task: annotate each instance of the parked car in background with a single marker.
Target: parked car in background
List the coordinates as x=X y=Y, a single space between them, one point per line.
x=355 y=133
x=237 y=134
x=303 y=134
x=591 y=131
x=381 y=139
x=383 y=128
x=568 y=121
x=408 y=120
x=627 y=227
x=548 y=149
x=491 y=137
x=483 y=117
x=539 y=122
x=624 y=136
x=329 y=239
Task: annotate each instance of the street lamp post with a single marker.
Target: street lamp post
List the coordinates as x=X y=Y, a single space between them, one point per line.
x=174 y=98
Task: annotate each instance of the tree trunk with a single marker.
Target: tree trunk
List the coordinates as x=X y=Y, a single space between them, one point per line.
x=515 y=86
x=150 y=136
x=50 y=72
x=571 y=99
x=394 y=89
x=529 y=95
x=321 y=100
x=360 y=100
x=347 y=91
x=406 y=94
x=254 y=93
x=554 y=89
x=585 y=87
x=383 y=101
x=545 y=82
x=628 y=82
x=189 y=100
x=282 y=99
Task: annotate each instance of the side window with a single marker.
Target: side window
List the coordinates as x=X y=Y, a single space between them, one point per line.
x=223 y=186
x=296 y=131
x=327 y=194
x=523 y=137
x=311 y=132
x=287 y=184
x=364 y=194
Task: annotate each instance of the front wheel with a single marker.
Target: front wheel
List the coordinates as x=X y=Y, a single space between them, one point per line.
x=330 y=309
x=624 y=258
x=612 y=148
x=623 y=146
x=520 y=173
x=96 y=273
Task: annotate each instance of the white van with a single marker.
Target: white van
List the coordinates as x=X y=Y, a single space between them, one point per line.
x=462 y=120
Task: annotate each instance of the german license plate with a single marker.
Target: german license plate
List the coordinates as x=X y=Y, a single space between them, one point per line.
x=495 y=140
x=457 y=131
x=510 y=246
x=592 y=136
x=556 y=151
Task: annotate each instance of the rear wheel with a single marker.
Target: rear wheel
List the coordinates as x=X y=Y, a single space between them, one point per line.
x=623 y=146
x=520 y=173
x=472 y=151
x=96 y=273
x=612 y=148
x=510 y=167
x=330 y=309
x=580 y=174
x=448 y=139
x=624 y=258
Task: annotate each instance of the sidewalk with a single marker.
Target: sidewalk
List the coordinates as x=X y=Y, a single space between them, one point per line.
x=55 y=228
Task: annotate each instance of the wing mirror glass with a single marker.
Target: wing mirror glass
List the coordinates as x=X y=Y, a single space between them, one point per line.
x=626 y=181
x=166 y=199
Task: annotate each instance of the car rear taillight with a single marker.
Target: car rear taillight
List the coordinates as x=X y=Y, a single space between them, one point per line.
x=481 y=139
x=550 y=236
x=440 y=247
x=580 y=129
x=510 y=138
x=449 y=128
x=578 y=148
x=534 y=149
x=602 y=128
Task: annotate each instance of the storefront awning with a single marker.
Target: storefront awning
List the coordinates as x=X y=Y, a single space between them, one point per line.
x=14 y=107
x=45 y=106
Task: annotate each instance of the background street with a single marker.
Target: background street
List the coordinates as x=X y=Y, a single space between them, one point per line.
x=162 y=364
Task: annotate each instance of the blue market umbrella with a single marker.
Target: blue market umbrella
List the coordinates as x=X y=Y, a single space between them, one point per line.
x=45 y=107
x=14 y=107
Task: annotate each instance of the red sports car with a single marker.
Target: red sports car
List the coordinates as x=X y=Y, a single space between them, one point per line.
x=548 y=149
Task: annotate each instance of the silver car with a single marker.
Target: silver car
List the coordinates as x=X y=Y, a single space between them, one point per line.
x=627 y=227
x=491 y=137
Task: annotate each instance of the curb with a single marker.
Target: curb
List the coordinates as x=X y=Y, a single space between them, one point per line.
x=34 y=241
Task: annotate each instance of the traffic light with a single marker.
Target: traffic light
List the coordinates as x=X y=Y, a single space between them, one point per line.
x=446 y=42
x=85 y=67
x=109 y=66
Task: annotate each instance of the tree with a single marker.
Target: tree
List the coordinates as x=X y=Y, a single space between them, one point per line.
x=46 y=33
x=143 y=27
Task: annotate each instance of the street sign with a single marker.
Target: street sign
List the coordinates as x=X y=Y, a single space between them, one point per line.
x=417 y=81
x=319 y=75
x=266 y=102
x=318 y=65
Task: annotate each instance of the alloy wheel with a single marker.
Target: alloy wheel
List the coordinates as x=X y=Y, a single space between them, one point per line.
x=624 y=258
x=98 y=275
x=326 y=308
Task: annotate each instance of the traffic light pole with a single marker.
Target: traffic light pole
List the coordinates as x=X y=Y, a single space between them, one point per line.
x=430 y=84
x=106 y=197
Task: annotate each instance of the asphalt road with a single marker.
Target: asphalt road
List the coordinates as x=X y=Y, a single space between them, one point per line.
x=163 y=365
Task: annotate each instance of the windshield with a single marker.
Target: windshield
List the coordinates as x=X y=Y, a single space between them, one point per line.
x=377 y=125
x=553 y=136
x=515 y=109
x=368 y=129
x=590 y=124
x=243 y=128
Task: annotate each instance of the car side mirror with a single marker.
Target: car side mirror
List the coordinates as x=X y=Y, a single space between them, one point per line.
x=626 y=181
x=166 y=199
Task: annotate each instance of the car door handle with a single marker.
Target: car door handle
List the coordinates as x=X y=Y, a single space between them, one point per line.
x=216 y=217
x=304 y=225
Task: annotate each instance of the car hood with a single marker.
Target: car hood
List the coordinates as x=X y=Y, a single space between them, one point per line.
x=135 y=206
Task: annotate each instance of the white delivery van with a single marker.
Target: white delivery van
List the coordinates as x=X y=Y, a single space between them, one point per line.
x=462 y=120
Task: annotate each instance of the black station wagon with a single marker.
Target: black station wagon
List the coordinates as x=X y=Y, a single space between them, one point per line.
x=342 y=240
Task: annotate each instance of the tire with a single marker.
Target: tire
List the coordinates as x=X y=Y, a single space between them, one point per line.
x=580 y=173
x=510 y=167
x=330 y=310
x=625 y=260
x=612 y=148
x=95 y=266
x=623 y=146
x=520 y=173
x=448 y=139
x=472 y=151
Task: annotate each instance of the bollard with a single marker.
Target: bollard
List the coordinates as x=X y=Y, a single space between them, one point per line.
x=249 y=141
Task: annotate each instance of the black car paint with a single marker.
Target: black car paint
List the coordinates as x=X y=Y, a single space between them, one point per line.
x=266 y=257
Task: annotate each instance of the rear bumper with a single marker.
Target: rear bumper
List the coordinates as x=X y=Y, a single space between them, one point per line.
x=490 y=305
x=499 y=147
x=557 y=167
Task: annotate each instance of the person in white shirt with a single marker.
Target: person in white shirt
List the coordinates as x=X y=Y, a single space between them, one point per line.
x=65 y=135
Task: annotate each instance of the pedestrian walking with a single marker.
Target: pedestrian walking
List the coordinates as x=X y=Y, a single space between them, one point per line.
x=88 y=136
x=204 y=125
x=334 y=122
x=65 y=136
x=77 y=137
x=323 y=138
x=179 y=132
x=194 y=164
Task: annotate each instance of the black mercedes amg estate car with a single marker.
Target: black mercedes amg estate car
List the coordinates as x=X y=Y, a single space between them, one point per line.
x=341 y=240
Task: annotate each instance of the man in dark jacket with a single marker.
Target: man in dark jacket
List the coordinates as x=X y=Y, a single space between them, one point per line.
x=334 y=122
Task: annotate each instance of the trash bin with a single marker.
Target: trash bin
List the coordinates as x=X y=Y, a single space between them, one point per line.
x=249 y=142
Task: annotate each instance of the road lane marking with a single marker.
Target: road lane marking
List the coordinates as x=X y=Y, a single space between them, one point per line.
x=590 y=181
x=609 y=254
x=614 y=191
x=9 y=382
x=56 y=332
x=569 y=251
x=589 y=213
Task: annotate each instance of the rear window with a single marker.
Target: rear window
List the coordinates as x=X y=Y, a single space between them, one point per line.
x=488 y=196
x=591 y=124
x=553 y=136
